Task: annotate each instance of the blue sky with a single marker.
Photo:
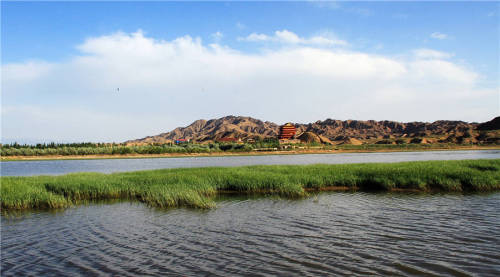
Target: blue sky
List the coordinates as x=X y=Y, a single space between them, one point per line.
x=424 y=61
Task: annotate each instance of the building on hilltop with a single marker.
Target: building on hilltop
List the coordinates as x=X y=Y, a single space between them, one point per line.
x=287 y=131
x=179 y=141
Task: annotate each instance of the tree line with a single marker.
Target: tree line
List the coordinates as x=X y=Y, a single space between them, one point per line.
x=89 y=148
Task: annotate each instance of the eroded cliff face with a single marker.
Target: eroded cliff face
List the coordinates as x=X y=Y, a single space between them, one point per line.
x=228 y=126
x=333 y=130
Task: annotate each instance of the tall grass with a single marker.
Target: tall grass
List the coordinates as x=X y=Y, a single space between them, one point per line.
x=196 y=187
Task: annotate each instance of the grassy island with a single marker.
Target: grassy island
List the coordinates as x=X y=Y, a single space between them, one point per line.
x=196 y=187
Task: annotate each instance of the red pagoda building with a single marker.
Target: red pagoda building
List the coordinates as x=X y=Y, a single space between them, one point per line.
x=287 y=131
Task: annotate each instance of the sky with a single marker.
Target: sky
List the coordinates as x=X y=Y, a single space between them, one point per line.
x=114 y=71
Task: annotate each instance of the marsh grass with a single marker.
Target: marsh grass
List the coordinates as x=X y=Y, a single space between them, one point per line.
x=197 y=187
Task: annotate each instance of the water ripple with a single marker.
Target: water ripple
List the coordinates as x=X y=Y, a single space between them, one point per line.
x=328 y=234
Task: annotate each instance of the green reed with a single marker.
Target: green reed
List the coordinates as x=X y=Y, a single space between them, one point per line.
x=196 y=187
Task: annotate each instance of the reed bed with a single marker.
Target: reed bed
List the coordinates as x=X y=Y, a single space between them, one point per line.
x=196 y=187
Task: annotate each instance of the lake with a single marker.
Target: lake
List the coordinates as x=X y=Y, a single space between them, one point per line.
x=56 y=167
x=327 y=234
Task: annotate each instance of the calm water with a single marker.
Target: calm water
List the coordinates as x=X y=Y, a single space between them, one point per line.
x=25 y=168
x=324 y=235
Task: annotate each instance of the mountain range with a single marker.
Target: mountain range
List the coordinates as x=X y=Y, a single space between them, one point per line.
x=331 y=131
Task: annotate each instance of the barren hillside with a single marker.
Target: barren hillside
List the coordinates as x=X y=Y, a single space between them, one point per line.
x=334 y=130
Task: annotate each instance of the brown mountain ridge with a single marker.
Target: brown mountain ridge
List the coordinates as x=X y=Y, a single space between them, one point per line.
x=335 y=131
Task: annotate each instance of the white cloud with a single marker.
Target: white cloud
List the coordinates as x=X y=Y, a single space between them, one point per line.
x=256 y=37
x=26 y=71
x=438 y=35
x=165 y=84
x=74 y=124
x=287 y=37
x=442 y=71
x=217 y=36
x=425 y=53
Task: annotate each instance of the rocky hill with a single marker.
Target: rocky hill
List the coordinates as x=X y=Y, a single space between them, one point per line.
x=336 y=131
x=214 y=129
x=493 y=124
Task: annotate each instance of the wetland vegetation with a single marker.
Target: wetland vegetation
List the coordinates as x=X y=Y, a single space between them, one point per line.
x=196 y=187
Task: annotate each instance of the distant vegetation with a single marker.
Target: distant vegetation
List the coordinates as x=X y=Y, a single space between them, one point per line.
x=195 y=187
x=120 y=149
x=83 y=149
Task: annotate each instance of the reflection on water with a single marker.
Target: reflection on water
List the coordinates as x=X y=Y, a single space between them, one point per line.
x=26 y=168
x=326 y=234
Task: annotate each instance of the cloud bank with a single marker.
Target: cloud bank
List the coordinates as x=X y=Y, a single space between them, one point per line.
x=165 y=84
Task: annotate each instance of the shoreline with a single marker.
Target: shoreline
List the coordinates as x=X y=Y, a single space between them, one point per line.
x=223 y=154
